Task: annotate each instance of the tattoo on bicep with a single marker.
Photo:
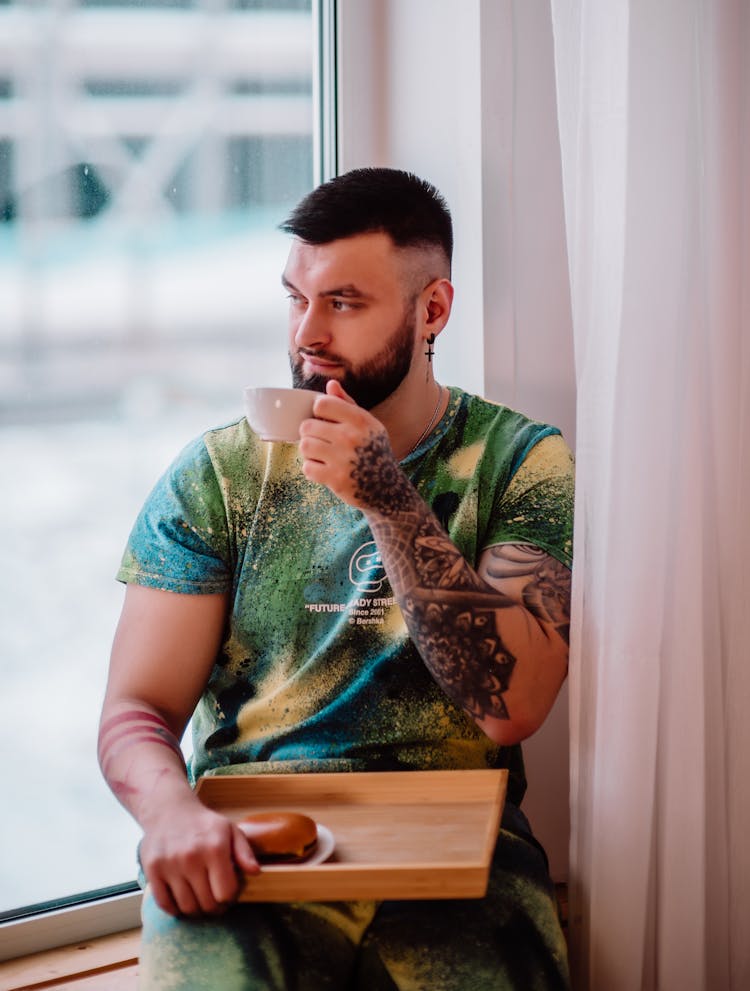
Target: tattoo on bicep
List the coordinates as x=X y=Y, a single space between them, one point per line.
x=546 y=593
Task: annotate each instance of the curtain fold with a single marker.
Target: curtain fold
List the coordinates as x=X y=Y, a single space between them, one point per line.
x=654 y=123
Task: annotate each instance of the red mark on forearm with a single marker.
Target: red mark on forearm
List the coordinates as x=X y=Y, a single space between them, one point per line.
x=133 y=715
x=122 y=790
x=114 y=747
x=135 y=726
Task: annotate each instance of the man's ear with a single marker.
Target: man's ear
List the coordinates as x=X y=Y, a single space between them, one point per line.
x=437 y=300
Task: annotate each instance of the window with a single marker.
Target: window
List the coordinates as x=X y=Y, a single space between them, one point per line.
x=148 y=150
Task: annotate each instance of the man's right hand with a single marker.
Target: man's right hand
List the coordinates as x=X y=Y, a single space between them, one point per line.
x=193 y=859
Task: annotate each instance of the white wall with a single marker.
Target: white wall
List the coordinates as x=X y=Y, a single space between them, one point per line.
x=423 y=96
x=463 y=93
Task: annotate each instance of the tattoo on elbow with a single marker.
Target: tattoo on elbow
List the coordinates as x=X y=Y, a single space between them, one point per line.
x=464 y=653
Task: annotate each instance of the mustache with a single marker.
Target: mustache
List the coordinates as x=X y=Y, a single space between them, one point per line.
x=319 y=353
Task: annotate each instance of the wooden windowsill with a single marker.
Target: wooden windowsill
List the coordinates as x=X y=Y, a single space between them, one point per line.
x=109 y=962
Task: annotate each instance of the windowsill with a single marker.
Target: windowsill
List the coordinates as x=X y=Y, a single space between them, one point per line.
x=107 y=957
x=76 y=924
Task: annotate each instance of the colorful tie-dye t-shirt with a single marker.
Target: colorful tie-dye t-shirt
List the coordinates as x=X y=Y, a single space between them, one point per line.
x=316 y=671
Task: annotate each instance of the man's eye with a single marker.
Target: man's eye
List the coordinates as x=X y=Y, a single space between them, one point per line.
x=294 y=300
x=343 y=304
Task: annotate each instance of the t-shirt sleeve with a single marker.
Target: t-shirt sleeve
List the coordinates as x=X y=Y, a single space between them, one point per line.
x=537 y=505
x=180 y=540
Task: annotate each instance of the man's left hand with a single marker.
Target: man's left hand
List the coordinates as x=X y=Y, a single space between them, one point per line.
x=342 y=438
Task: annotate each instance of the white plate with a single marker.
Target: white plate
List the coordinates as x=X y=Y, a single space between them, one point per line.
x=324 y=849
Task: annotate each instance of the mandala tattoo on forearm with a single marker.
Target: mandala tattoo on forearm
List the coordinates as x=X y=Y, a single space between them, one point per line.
x=379 y=482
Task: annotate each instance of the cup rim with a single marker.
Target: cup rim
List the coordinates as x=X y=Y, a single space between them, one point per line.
x=270 y=389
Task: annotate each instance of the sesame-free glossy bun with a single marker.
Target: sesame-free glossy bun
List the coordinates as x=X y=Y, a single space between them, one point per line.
x=280 y=837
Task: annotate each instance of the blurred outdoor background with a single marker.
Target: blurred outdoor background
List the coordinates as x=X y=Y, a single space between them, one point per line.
x=148 y=151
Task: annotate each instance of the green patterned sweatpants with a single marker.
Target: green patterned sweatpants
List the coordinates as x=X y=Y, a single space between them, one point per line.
x=510 y=939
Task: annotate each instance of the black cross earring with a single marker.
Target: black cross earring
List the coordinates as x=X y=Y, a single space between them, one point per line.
x=429 y=352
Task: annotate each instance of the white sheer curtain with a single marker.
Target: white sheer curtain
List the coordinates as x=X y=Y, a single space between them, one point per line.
x=654 y=114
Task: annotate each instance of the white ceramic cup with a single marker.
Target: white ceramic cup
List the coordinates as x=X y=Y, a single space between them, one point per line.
x=276 y=414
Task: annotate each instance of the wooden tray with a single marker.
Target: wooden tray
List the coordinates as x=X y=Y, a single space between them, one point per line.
x=403 y=834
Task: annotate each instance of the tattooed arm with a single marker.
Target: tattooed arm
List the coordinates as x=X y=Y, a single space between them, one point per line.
x=496 y=638
x=161 y=658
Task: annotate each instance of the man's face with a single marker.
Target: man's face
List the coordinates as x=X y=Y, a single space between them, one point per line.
x=350 y=317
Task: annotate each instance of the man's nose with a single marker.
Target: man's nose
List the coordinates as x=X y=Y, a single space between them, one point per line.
x=312 y=330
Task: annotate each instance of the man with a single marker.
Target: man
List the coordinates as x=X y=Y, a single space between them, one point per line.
x=390 y=593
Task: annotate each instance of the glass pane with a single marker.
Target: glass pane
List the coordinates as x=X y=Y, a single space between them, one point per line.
x=148 y=151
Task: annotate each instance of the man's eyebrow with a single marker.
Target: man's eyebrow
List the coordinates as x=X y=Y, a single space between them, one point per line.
x=347 y=291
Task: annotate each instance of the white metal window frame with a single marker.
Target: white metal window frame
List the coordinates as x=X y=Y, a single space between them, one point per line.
x=73 y=924
x=325 y=123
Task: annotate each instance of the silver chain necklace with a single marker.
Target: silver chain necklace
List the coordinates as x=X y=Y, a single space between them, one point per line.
x=430 y=425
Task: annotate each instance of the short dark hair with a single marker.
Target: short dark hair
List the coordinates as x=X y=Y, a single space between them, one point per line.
x=409 y=209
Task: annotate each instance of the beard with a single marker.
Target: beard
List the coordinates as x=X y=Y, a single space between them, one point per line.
x=373 y=381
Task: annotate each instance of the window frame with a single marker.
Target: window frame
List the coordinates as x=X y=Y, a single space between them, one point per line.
x=326 y=16
x=105 y=913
